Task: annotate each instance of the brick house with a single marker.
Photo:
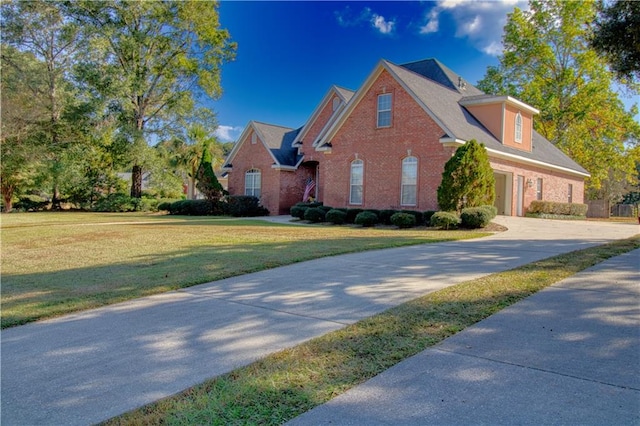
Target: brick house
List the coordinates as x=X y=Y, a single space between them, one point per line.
x=384 y=146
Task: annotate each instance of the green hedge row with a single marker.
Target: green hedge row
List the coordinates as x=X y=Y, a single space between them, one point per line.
x=233 y=205
x=476 y=217
x=554 y=208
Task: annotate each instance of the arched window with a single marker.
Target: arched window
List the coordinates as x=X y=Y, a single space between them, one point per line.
x=409 y=181
x=252 y=182
x=356 y=182
x=336 y=103
x=518 y=135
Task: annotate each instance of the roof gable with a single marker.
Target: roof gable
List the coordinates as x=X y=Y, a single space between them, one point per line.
x=277 y=140
x=432 y=86
x=343 y=94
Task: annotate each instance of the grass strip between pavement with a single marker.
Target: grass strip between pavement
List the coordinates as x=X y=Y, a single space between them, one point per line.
x=288 y=383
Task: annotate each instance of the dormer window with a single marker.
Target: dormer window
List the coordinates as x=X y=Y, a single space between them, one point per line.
x=518 y=128
x=384 y=110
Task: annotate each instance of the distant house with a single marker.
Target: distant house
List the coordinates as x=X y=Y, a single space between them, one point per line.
x=384 y=146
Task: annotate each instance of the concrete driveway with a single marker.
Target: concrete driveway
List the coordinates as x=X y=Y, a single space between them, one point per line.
x=88 y=367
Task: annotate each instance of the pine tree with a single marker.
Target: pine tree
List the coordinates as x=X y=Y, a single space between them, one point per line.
x=207 y=181
x=467 y=180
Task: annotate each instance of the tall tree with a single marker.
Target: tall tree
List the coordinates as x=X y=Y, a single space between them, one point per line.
x=20 y=113
x=154 y=57
x=39 y=27
x=617 y=37
x=548 y=63
x=467 y=180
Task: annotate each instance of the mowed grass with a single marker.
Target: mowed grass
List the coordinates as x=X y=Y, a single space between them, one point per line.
x=286 y=384
x=58 y=263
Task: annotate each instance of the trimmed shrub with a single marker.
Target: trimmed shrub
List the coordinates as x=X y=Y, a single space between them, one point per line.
x=366 y=219
x=244 y=206
x=427 y=216
x=493 y=210
x=445 y=220
x=314 y=204
x=403 y=220
x=325 y=208
x=385 y=216
x=314 y=214
x=196 y=208
x=418 y=215
x=475 y=217
x=336 y=216
x=554 y=208
x=298 y=211
x=351 y=215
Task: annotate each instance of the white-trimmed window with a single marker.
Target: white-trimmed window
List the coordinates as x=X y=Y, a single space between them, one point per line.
x=409 y=181
x=384 y=110
x=539 y=189
x=356 y=182
x=570 y=193
x=518 y=128
x=252 y=182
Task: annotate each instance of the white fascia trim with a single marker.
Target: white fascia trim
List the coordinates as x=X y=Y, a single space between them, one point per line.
x=239 y=142
x=542 y=164
x=327 y=126
x=498 y=100
x=452 y=142
x=355 y=99
x=316 y=112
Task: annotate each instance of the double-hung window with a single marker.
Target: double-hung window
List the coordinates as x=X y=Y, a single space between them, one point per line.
x=252 y=182
x=356 y=182
x=539 y=189
x=409 y=181
x=384 y=110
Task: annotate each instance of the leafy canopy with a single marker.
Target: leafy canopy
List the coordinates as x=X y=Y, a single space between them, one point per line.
x=549 y=64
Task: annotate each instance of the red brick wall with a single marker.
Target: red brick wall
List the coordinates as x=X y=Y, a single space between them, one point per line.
x=412 y=132
x=554 y=183
x=318 y=125
x=256 y=156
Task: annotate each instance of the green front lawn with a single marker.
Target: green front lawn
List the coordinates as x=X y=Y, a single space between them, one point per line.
x=57 y=263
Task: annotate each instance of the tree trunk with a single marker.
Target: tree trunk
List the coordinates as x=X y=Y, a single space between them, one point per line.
x=7 y=195
x=136 y=181
x=55 y=199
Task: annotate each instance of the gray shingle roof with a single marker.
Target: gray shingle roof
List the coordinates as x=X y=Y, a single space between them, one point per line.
x=279 y=140
x=442 y=100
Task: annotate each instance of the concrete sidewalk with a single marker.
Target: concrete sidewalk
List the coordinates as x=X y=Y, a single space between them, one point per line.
x=88 y=367
x=568 y=355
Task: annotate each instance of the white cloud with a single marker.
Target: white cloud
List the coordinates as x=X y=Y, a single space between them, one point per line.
x=481 y=22
x=432 y=24
x=347 y=18
x=228 y=133
x=384 y=26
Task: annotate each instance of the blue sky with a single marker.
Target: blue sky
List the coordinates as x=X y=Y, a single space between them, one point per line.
x=290 y=53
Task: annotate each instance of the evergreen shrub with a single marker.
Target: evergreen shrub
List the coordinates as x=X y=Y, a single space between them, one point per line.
x=555 y=208
x=298 y=211
x=403 y=220
x=445 y=220
x=366 y=219
x=314 y=214
x=475 y=217
x=336 y=216
x=426 y=216
x=385 y=216
x=418 y=215
x=244 y=206
x=351 y=215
